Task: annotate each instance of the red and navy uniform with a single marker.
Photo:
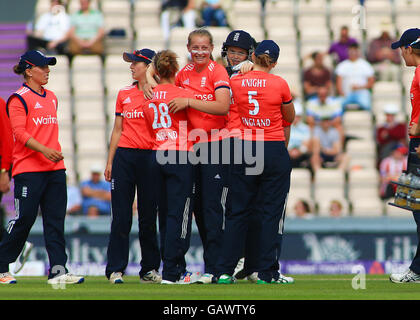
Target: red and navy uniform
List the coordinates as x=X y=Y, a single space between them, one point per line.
x=6 y=150
x=6 y=141
x=131 y=169
x=173 y=173
x=264 y=184
x=210 y=177
x=39 y=182
x=413 y=159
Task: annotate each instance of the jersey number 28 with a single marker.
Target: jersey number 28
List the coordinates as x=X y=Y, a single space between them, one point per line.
x=164 y=121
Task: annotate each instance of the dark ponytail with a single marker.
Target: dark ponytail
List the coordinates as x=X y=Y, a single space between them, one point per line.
x=18 y=69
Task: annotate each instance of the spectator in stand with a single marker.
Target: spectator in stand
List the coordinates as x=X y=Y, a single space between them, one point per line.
x=300 y=142
x=213 y=13
x=390 y=133
x=384 y=60
x=316 y=76
x=339 y=49
x=302 y=209
x=327 y=150
x=322 y=106
x=87 y=31
x=355 y=78
x=390 y=169
x=176 y=13
x=336 y=208
x=51 y=30
x=74 y=200
x=96 y=194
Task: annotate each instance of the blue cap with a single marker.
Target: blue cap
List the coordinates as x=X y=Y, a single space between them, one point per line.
x=34 y=58
x=409 y=38
x=143 y=55
x=268 y=47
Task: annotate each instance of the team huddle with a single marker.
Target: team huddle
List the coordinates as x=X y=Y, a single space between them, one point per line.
x=182 y=140
x=179 y=153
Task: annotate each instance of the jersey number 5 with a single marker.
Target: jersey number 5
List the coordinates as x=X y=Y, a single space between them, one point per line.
x=164 y=121
x=253 y=101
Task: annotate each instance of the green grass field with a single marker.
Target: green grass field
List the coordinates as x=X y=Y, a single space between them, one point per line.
x=306 y=287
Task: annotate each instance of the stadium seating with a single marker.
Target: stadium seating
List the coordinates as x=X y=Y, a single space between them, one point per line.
x=364 y=192
x=146 y=14
x=300 y=188
x=248 y=14
x=329 y=182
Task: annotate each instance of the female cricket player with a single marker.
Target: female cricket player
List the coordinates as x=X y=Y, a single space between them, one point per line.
x=171 y=167
x=409 y=44
x=128 y=168
x=6 y=152
x=38 y=170
x=263 y=115
x=210 y=83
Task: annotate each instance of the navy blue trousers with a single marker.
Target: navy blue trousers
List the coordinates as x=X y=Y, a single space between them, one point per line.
x=413 y=159
x=250 y=253
x=175 y=185
x=33 y=190
x=210 y=200
x=268 y=192
x=131 y=170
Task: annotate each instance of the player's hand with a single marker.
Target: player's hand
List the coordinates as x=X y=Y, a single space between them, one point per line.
x=148 y=91
x=418 y=151
x=412 y=129
x=177 y=104
x=246 y=67
x=4 y=182
x=53 y=155
x=107 y=172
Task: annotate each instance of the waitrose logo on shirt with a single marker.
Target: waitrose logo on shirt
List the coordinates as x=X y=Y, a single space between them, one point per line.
x=45 y=120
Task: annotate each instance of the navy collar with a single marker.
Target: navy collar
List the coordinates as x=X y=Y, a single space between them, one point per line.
x=41 y=95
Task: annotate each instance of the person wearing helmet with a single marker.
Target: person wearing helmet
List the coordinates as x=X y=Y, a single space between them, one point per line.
x=237 y=50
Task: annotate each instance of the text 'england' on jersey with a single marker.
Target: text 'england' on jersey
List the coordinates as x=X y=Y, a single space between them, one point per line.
x=259 y=97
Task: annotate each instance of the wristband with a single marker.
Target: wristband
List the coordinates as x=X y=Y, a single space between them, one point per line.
x=286 y=124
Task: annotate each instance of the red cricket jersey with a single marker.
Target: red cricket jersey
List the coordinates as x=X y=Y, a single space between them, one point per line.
x=204 y=84
x=169 y=130
x=259 y=97
x=234 y=124
x=129 y=105
x=33 y=115
x=415 y=98
x=6 y=138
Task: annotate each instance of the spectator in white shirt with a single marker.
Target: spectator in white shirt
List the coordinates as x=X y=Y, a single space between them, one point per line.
x=51 y=30
x=355 y=78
